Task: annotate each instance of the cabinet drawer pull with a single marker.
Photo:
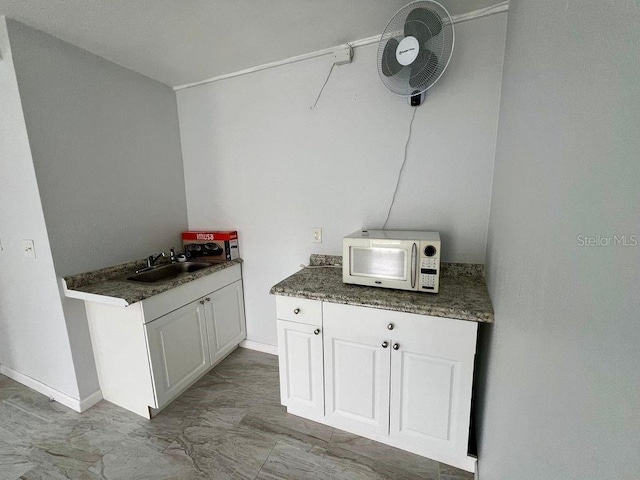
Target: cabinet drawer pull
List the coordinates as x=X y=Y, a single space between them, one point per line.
x=296 y=311
x=390 y=326
x=385 y=344
x=208 y=299
x=201 y=302
x=396 y=346
x=316 y=331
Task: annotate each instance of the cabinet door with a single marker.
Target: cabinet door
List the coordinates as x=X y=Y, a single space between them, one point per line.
x=225 y=320
x=301 y=369
x=431 y=381
x=178 y=350
x=356 y=369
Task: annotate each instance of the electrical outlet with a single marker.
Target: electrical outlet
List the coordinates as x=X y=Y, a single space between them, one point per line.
x=317 y=234
x=343 y=55
x=28 y=249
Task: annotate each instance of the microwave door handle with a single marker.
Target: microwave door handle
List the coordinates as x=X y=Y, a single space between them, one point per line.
x=414 y=267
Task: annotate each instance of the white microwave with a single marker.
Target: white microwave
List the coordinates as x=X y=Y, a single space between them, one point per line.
x=402 y=259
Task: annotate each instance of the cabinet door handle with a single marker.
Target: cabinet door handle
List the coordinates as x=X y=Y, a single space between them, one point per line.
x=316 y=331
x=390 y=326
x=208 y=299
x=396 y=346
x=201 y=302
x=414 y=265
x=296 y=311
x=385 y=344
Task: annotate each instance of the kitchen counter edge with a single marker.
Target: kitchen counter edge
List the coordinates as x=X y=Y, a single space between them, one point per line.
x=107 y=286
x=461 y=297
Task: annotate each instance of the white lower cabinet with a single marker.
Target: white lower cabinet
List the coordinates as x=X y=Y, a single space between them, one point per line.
x=356 y=370
x=398 y=378
x=224 y=311
x=150 y=352
x=178 y=350
x=432 y=362
x=301 y=378
x=300 y=356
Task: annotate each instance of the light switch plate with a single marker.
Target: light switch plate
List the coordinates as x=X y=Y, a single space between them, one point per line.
x=317 y=234
x=28 y=249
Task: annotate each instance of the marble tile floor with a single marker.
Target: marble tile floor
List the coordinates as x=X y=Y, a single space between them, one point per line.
x=229 y=425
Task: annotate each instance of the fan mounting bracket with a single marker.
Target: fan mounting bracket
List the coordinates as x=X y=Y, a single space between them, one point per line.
x=416 y=98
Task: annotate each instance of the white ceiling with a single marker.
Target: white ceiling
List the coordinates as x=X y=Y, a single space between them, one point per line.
x=178 y=42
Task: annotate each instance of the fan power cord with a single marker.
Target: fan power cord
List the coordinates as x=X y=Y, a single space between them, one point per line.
x=404 y=161
x=323 y=85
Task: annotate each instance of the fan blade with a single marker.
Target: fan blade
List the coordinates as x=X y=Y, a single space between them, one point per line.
x=423 y=68
x=423 y=24
x=390 y=65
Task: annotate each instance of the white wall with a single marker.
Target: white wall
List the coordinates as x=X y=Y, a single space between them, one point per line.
x=106 y=148
x=563 y=383
x=258 y=159
x=33 y=335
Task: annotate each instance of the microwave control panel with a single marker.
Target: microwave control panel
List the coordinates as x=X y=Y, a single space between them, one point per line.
x=429 y=267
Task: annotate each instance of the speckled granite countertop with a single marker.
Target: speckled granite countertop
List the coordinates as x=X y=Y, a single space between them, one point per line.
x=111 y=281
x=463 y=293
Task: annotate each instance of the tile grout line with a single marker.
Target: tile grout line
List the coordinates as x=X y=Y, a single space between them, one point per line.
x=265 y=460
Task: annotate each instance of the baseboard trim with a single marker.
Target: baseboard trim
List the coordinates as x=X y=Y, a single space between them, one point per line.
x=260 y=347
x=62 y=398
x=90 y=401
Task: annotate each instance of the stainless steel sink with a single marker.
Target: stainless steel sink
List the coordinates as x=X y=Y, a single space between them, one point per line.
x=167 y=272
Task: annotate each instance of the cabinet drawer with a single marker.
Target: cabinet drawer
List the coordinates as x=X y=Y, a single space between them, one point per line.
x=165 y=302
x=299 y=310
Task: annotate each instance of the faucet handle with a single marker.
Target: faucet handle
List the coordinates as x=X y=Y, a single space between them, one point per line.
x=151 y=259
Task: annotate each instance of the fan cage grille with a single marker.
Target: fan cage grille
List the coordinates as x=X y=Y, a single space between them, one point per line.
x=441 y=45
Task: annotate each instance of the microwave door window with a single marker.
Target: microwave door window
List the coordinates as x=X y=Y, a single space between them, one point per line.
x=388 y=263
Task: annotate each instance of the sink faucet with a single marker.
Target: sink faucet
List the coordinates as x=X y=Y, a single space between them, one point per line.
x=151 y=259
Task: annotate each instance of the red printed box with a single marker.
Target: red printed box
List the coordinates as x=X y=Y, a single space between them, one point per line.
x=211 y=246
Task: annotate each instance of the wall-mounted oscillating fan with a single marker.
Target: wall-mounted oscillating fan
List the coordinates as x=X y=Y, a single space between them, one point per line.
x=415 y=49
